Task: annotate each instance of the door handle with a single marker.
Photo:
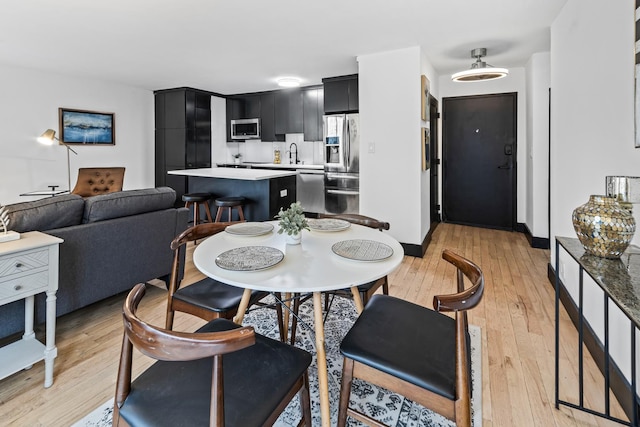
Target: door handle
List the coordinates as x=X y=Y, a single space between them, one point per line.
x=505 y=166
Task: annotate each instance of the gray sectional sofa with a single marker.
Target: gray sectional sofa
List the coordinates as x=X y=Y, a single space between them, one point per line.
x=111 y=242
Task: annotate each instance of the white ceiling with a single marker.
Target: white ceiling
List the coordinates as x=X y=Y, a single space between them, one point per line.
x=235 y=46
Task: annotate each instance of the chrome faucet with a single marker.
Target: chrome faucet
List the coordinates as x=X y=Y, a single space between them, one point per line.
x=291 y=153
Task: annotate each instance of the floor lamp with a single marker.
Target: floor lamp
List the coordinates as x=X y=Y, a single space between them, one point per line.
x=47 y=138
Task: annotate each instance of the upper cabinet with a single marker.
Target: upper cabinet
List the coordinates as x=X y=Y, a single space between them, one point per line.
x=288 y=112
x=341 y=94
x=267 y=117
x=312 y=110
x=297 y=110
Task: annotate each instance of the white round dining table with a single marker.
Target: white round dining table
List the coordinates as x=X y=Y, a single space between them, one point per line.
x=311 y=266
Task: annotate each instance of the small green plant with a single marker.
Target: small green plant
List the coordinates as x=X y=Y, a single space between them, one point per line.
x=292 y=221
x=237 y=155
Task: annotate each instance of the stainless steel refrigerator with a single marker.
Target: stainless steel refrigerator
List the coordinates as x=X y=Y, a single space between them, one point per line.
x=342 y=163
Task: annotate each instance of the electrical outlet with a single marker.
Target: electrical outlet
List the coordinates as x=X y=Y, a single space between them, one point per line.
x=372 y=147
x=283 y=193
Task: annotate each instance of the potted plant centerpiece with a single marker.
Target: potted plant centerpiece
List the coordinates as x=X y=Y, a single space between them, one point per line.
x=292 y=222
x=236 y=158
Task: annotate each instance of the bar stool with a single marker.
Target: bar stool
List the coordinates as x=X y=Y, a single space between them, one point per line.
x=229 y=203
x=197 y=199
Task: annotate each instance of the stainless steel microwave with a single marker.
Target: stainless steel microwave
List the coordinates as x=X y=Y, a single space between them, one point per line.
x=245 y=129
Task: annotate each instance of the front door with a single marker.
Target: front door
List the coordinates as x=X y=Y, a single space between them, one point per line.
x=479 y=155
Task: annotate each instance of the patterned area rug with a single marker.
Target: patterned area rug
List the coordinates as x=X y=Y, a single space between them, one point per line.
x=389 y=408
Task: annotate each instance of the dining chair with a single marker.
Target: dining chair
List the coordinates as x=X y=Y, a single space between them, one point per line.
x=416 y=352
x=221 y=375
x=207 y=298
x=366 y=290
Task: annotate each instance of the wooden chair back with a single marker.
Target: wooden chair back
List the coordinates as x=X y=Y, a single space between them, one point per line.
x=460 y=303
x=359 y=219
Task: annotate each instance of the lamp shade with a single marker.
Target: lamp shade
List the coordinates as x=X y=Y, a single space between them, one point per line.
x=47 y=137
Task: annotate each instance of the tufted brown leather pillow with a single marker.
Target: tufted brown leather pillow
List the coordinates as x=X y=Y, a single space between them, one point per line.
x=95 y=181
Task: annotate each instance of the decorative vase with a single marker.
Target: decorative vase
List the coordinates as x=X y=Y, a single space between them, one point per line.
x=294 y=239
x=603 y=226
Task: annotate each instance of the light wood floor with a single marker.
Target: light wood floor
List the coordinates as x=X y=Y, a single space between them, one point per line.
x=516 y=317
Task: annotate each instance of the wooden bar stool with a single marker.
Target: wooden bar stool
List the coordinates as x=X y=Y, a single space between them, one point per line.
x=197 y=199
x=229 y=203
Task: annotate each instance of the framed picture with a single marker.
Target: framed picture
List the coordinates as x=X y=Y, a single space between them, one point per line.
x=424 y=96
x=426 y=161
x=86 y=127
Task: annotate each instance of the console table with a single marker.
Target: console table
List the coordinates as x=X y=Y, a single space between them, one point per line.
x=619 y=280
x=29 y=266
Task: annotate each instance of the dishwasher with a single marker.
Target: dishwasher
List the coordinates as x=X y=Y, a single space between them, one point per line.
x=310 y=190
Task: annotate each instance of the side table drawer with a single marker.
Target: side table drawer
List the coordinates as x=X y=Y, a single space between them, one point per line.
x=23 y=262
x=18 y=288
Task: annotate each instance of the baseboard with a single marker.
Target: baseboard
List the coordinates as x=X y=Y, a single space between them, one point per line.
x=620 y=387
x=534 y=242
x=418 y=251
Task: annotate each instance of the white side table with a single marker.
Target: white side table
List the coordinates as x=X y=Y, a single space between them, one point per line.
x=29 y=266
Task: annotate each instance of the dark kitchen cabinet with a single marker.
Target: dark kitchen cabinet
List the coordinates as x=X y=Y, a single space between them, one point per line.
x=182 y=135
x=312 y=109
x=248 y=106
x=268 y=117
x=341 y=94
x=288 y=111
x=251 y=106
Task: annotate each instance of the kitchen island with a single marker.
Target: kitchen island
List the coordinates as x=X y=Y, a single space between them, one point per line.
x=266 y=190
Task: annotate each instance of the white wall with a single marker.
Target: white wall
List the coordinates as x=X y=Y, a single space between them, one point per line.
x=537 y=155
x=425 y=177
x=391 y=178
x=514 y=82
x=592 y=130
x=29 y=105
x=592 y=106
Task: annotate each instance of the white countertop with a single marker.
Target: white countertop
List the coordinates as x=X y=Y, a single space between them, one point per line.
x=284 y=166
x=234 y=173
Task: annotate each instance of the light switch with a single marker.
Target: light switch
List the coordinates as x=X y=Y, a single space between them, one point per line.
x=283 y=193
x=372 y=147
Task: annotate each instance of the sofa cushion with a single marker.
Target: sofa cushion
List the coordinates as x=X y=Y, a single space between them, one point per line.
x=127 y=203
x=45 y=214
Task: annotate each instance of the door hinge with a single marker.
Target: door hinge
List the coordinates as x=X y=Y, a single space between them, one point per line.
x=438 y=208
x=438 y=115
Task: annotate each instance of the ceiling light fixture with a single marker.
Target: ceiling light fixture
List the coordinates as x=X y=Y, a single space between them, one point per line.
x=480 y=70
x=288 y=81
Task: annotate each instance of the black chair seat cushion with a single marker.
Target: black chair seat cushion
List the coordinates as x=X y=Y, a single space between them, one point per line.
x=407 y=341
x=256 y=379
x=226 y=202
x=196 y=197
x=215 y=296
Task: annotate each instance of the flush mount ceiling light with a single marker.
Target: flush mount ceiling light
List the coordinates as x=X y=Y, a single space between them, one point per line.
x=480 y=70
x=288 y=81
